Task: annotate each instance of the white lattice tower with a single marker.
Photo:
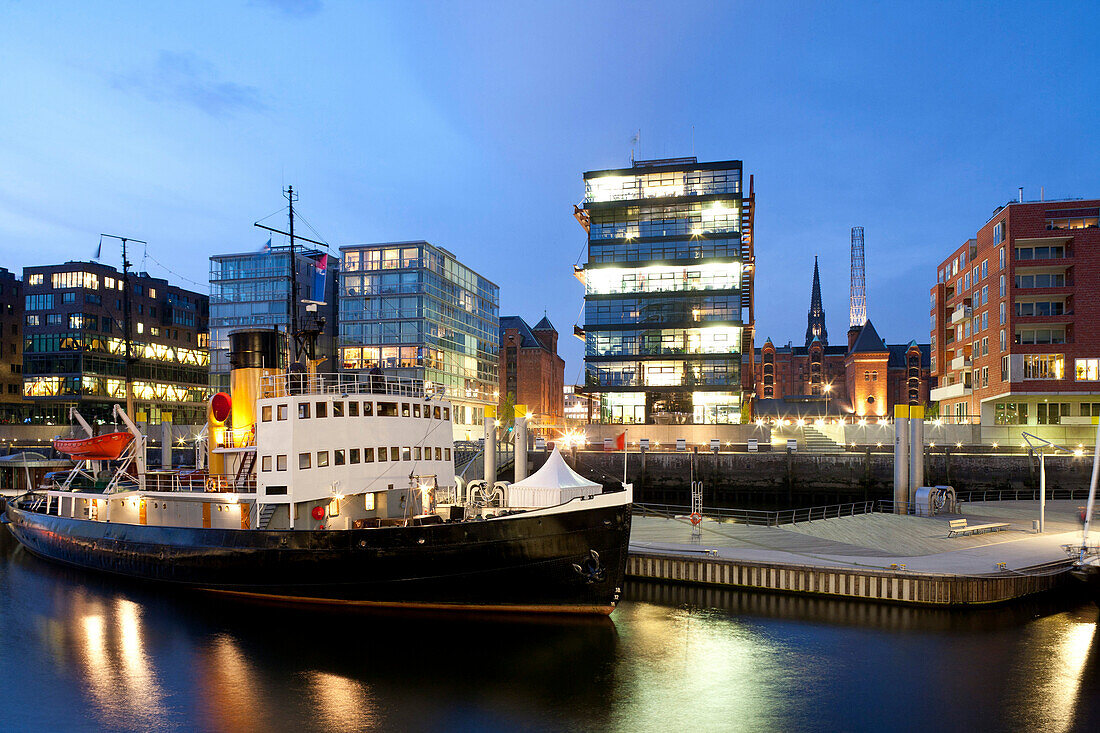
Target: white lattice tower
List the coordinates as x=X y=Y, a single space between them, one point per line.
x=857 y=314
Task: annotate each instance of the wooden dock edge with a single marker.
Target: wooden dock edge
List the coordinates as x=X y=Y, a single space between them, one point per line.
x=866 y=584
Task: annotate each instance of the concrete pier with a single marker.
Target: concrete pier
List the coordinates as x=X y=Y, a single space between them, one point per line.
x=874 y=557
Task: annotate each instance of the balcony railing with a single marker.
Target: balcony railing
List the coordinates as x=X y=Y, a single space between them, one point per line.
x=949 y=392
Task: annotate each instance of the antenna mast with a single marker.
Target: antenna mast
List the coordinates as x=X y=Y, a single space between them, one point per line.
x=857 y=313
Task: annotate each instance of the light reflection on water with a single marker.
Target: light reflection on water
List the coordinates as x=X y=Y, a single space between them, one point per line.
x=85 y=652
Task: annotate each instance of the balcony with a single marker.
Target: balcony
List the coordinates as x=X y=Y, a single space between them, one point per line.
x=961 y=362
x=961 y=314
x=951 y=391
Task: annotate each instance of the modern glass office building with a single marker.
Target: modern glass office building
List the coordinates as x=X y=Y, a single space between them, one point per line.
x=413 y=310
x=668 y=291
x=252 y=290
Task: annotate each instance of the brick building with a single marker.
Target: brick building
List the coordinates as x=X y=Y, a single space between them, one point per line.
x=864 y=378
x=74 y=345
x=1014 y=316
x=531 y=372
x=11 y=347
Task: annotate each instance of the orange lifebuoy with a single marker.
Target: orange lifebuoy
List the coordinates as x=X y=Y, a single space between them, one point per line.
x=695 y=518
x=318 y=513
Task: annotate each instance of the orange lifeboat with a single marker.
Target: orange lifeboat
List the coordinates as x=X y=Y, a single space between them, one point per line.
x=100 y=448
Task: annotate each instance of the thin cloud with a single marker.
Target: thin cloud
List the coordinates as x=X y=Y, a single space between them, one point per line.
x=296 y=8
x=183 y=77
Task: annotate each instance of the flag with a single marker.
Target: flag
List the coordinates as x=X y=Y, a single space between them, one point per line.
x=620 y=442
x=99 y=249
x=320 y=269
x=266 y=249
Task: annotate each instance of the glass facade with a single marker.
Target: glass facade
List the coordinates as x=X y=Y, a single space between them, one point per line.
x=252 y=290
x=411 y=309
x=664 y=300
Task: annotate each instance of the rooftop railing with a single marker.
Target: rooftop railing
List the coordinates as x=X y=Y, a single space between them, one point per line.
x=291 y=383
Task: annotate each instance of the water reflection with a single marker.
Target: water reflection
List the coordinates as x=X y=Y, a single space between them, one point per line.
x=131 y=657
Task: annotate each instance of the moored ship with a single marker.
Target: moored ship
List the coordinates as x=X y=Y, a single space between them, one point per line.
x=331 y=489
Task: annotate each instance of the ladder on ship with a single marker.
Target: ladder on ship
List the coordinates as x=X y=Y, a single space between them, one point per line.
x=264 y=518
x=244 y=470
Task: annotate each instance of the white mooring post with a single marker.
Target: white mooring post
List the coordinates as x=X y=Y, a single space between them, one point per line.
x=490 y=445
x=520 y=447
x=916 y=449
x=901 y=458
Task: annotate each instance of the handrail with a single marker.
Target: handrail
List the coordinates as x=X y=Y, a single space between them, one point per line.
x=292 y=383
x=770 y=518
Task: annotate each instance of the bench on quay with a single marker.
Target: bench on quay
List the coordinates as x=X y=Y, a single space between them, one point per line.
x=959 y=527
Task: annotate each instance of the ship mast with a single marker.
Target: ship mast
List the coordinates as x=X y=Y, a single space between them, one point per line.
x=301 y=339
x=291 y=197
x=127 y=321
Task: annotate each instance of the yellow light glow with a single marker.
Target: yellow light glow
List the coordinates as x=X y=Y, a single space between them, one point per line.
x=994 y=445
x=958 y=445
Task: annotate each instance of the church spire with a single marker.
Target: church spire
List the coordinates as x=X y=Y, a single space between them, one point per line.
x=815 y=319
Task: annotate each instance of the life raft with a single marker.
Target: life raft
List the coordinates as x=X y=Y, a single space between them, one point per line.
x=100 y=448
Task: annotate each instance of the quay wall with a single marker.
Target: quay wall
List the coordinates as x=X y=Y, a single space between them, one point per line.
x=781 y=479
x=890 y=586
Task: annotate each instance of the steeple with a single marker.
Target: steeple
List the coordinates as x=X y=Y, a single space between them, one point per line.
x=815 y=319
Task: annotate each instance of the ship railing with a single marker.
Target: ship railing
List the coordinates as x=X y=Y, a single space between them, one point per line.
x=292 y=383
x=199 y=482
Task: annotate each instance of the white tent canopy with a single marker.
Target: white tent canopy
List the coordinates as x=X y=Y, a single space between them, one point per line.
x=555 y=483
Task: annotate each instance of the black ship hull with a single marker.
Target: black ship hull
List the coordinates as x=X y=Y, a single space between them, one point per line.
x=1089 y=575
x=551 y=561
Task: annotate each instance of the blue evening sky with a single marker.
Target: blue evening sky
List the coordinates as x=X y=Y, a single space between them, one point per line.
x=469 y=125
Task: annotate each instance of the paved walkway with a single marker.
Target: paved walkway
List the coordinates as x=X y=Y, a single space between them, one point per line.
x=878 y=540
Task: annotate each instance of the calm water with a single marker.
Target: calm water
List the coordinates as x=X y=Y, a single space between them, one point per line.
x=83 y=653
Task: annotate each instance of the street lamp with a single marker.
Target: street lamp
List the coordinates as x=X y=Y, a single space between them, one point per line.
x=1028 y=437
x=828 y=388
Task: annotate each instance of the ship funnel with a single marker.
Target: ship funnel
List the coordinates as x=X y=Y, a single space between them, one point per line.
x=253 y=354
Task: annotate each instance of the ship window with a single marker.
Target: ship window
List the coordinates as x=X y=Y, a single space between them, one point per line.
x=446 y=413
x=322 y=409
x=446 y=454
x=338 y=457
x=337 y=409
x=266 y=463
x=275 y=491
x=404 y=409
x=280 y=463
x=395 y=454
x=416 y=409
x=353 y=454
x=353 y=409
x=416 y=453
x=303 y=411
x=322 y=458
x=368 y=455
x=387 y=409
x=265 y=413
x=406 y=453
x=281 y=413
x=368 y=502
x=368 y=409
x=334 y=508
x=439 y=454
x=437 y=413
x=303 y=460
